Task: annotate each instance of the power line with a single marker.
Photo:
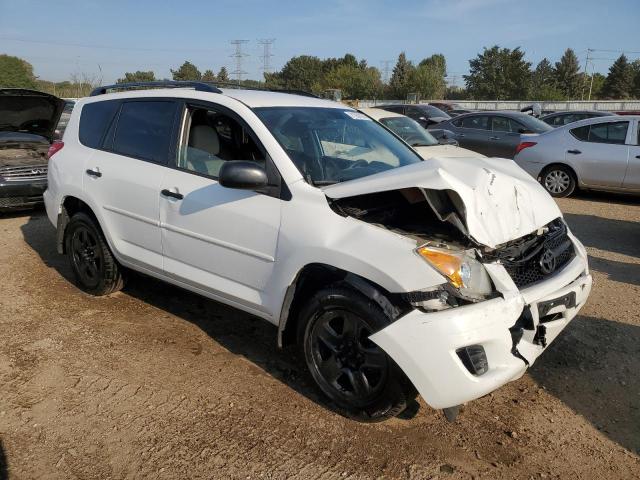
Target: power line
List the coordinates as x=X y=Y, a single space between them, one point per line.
x=239 y=55
x=266 y=43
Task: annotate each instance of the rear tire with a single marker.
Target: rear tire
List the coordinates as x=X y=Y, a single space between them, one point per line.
x=95 y=268
x=558 y=180
x=355 y=373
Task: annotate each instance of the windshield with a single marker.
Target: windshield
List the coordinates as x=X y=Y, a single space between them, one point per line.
x=331 y=145
x=534 y=124
x=434 y=111
x=410 y=131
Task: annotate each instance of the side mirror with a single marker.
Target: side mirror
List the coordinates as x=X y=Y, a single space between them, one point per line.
x=242 y=175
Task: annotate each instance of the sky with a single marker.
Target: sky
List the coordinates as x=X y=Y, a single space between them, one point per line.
x=103 y=39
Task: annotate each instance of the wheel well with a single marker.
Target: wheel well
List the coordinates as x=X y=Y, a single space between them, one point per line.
x=71 y=206
x=558 y=164
x=316 y=276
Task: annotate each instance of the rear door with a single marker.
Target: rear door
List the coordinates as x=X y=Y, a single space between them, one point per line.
x=599 y=153
x=123 y=177
x=505 y=136
x=220 y=240
x=473 y=132
x=632 y=177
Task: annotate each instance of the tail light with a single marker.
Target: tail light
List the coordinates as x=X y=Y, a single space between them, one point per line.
x=54 y=148
x=524 y=145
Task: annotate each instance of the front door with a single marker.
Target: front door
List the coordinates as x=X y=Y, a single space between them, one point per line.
x=505 y=137
x=220 y=240
x=632 y=178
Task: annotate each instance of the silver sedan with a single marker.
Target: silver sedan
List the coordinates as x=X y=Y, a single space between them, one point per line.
x=598 y=153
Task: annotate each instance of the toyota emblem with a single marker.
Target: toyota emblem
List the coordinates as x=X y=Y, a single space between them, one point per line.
x=547 y=262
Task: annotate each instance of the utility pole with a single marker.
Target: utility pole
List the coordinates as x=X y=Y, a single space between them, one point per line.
x=586 y=73
x=386 y=69
x=267 y=44
x=239 y=55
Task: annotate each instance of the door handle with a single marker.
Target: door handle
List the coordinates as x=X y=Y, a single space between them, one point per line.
x=637 y=156
x=169 y=193
x=94 y=173
x=494 y=138
x=574 y=152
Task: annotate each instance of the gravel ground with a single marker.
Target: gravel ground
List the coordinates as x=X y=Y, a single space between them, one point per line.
x=154 y=382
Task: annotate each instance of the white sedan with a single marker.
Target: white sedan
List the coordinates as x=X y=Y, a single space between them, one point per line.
x=601 y=153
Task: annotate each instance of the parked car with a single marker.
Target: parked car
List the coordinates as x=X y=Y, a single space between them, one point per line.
x=420 y=139
x=601 y=153
x=422 y=113
x=558 y=119
x=495 y=134
x=391 y=274
x=27 y=122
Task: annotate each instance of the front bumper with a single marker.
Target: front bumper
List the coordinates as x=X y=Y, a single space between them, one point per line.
x=19 y=194
x=424 y=344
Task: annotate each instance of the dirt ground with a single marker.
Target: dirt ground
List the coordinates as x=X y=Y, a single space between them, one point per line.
x=154 y=382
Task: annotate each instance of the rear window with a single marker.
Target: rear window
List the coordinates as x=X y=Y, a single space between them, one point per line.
x=144 y=130
x=94 y=121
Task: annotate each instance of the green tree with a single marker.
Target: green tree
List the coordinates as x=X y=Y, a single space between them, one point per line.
x=635 y=89
x=594 y=84
x=299 y=73
x=569 y=81
x=355 y=82
x=137 y=76
x=543 y=82
x=187 y=71
x=619 y=82
x=436 y=61
x=223 y=75
x=16 y=72
x=499 y=74
x=208 y=76
x=399 y=84
x=428 y=80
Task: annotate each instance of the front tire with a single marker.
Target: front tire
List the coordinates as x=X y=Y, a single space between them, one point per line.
x=95 y=268
x=355 y=373
x=559 y=181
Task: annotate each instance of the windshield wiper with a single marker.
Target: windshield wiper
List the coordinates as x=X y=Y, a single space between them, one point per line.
x=324 y=183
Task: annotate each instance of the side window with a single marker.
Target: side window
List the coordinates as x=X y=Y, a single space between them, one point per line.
x=480 y=122
x=95 y=118
x=504 y=124
x=144 y=130
x=614 y=132
x=581 y=133
x=213 y=138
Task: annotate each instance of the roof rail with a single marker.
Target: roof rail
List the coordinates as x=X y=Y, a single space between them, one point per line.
x=235 y=85
x=199 y=86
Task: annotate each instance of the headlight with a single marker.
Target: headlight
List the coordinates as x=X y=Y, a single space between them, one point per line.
x=461 y=268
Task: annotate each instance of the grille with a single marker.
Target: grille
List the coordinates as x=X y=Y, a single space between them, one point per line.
x=12 y=202
x=528 y=273
x=24 y=172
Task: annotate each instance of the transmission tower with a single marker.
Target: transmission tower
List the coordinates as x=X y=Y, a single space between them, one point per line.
x=266 y=43
x=239 y=55
x=386 y=69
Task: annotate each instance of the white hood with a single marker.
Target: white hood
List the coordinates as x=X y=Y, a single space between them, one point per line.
x=445 y=151
x=502 y=202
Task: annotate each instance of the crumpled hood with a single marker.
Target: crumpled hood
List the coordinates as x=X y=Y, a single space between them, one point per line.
x=29 y=111
x=501 y=201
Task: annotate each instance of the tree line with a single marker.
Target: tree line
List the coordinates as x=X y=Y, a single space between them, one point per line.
x=494 y=74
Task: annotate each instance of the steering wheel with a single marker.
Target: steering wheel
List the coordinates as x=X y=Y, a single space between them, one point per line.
x=358 y=163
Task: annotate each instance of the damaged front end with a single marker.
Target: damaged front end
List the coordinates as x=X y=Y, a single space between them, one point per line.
x=503 y=299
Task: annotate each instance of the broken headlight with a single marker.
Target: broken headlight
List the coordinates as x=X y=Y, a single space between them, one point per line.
x=461 y=269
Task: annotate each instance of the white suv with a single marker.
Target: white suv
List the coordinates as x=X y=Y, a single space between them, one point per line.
x=393 y=274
